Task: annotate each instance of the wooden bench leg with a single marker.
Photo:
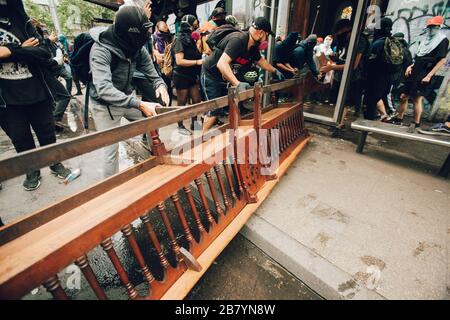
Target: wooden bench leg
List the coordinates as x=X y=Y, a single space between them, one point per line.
x=361 y=142
x=445 y=170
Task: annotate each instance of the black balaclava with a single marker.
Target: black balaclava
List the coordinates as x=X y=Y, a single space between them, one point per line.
x=188 y=24
x=9 y=9
x=131 y=30
x=385 y=29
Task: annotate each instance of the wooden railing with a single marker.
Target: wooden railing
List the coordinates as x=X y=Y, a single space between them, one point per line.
x=169 y=214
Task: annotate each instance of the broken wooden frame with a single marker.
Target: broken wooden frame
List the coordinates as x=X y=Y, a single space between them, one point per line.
x=218 y=199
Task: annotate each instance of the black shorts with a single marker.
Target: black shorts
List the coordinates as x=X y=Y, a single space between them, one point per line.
x=184 y=83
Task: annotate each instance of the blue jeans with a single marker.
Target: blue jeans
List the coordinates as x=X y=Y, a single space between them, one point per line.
x=212 y=90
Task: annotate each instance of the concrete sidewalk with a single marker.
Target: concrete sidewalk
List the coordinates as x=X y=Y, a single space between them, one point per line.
x=372 y=226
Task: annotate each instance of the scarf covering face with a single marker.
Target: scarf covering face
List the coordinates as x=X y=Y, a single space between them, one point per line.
x=430 y=42
x=9 y=8
x=161 y=39
x=130 y=30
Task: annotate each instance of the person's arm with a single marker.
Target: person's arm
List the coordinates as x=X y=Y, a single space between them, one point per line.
x=182 y=62
x=5 y=53
x=433 y=72
x=100 y=61
x=32 y=51
x=265 y=65
x=224 y=67
x=285 y=67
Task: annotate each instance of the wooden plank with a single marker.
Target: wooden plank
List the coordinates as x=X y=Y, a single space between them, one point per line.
x=39 y=158
x=36 y=219
x=398 y=132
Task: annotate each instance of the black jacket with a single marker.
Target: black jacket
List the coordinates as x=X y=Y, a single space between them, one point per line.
x=38 y=59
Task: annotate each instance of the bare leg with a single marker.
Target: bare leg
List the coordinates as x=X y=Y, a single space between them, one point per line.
x=382 y=109
x=182 y=100
x=418 y=109
x=344 y=116
x=208 y=123
x=403 y=105
x=196 y=97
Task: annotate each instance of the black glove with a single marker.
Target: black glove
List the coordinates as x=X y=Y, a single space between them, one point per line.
x=243 y=86
x=279 y=76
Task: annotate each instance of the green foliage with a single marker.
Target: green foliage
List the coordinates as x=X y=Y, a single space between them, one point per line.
x=74 y=15
x=40 y=13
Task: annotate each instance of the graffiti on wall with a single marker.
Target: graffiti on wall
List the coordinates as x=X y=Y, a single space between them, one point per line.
x=410 y=17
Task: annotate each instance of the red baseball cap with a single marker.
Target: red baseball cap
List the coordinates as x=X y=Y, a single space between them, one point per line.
x=435 y=21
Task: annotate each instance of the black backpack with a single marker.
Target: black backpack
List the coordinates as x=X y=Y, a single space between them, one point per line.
x=219 y=34
x=79 y=61
x=80 y=57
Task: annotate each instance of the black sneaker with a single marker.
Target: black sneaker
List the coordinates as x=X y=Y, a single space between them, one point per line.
x=60 y=171
x=32 y=180
x=184 y=131
x=395 y=120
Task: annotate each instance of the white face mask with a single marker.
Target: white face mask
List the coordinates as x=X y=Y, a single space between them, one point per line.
x=328 y=42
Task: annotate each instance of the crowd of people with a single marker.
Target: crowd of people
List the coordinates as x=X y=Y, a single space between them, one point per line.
x=384 y=69
x=135 y=67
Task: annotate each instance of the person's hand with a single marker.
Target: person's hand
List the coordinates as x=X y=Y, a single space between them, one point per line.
x=280 y=76
x=426 y=80
x=326 y=69
x=162 y=93
x=243 y=86
x=4 y=52
x=32 y=42
x=408 y=71
x=148 y=108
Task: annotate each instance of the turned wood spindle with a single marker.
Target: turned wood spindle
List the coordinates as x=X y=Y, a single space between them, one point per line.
x=173 y=241
x=85 y=267
x=107 y=245
x=230 y=180
x=186 y=229
x=53 y=285
x=201 y=191
x=190 y=198
x=153 y=237
x=222 y=187
x=128 y=231
x=213 y=193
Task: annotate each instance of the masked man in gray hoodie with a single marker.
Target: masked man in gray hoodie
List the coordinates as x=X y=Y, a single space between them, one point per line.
x=116 y=54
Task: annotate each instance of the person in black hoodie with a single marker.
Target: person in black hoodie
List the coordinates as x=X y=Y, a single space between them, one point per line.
x=380 y=74
x=23 y=62
x=283 y=54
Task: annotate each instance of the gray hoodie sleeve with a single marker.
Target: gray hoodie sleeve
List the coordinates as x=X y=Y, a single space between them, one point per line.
x=100 y=61
x=146 y=66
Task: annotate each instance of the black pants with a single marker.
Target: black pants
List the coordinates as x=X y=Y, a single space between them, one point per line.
x=20 y=119
x=61 y=96
x=76 y=79
x=377 y=88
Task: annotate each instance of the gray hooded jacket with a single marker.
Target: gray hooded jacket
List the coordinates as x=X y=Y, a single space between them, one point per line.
x=115 y=87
